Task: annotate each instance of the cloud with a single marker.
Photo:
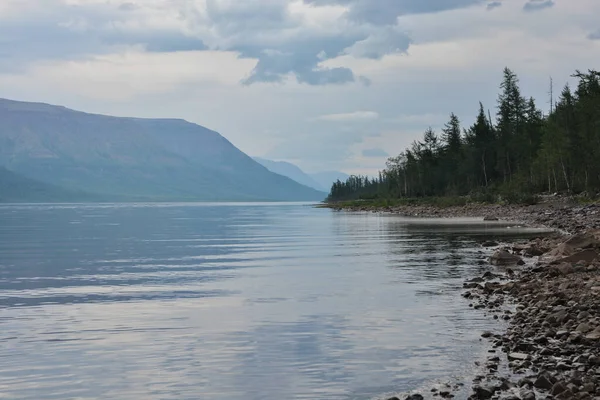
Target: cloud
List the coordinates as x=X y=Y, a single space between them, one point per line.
x=386 y=12
x=287 y=38
x=594 y=35
x=494 y=4
x=347 y=117
x=374 y=153
x=403 y=67
x=537 y=5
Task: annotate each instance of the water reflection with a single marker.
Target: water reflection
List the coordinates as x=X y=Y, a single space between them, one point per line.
x=246 y=301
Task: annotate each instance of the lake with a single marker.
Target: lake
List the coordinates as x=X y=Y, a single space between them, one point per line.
x=234 y=301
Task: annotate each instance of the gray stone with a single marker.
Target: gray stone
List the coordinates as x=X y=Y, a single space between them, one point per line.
x=558 y=388
x=594 y=335
x=484 y=392
x=517 y=356
x=543 y=382
x=583 y=328
x=527 y=394
x=503 y=257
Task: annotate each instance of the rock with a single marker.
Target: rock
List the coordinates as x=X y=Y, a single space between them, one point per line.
x=585 y=240
x=565 y=268
x=490 y=218
x=517 y=357
x=527 y=394
x=490 y=243
x=543 y=382
x=415 y=397
x=484 y=392
x=487 y=334
x=594 y=360
x=586 y=255
x=583 y=328
x=566 y=395
x=503 y=258
x=561 y=251
x=594 y=335
x=589 y=387
x=558 y=388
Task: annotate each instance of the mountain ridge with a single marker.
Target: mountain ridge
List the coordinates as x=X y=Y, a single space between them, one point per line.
x=137 y=158
x=291 y=171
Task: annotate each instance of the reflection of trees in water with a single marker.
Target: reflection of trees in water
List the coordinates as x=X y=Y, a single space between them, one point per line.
x=436 y=252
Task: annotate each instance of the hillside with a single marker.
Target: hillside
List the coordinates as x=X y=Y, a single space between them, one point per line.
x=17 y=188
x=133 y=158
x=291 y=171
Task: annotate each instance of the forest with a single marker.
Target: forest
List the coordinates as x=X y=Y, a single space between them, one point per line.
x=514 y=157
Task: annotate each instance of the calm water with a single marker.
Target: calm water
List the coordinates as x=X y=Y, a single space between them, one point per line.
x=245 y=301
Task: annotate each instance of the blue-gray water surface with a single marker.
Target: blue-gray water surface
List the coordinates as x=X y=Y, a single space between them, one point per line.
x=233 y=301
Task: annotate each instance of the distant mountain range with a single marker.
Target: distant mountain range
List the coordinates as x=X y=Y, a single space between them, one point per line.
x=51 y=153
x=320 y=181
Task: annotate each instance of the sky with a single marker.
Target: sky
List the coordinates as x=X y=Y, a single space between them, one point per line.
x=325 y=84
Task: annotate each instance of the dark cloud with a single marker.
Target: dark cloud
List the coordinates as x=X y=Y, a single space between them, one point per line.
x=375 y=153
x=594 y=35
x=537 y=5
x=386 y=12
x=494 y=4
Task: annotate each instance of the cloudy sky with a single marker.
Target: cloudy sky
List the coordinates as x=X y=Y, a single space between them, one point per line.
x=326 y=84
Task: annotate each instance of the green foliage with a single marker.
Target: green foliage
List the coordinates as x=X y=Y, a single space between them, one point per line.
x=511 y=160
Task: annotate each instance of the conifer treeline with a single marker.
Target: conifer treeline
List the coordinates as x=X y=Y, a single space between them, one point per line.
x=522 y=151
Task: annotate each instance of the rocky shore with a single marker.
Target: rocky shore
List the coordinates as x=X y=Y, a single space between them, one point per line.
x=548 y=291
x=564 y=214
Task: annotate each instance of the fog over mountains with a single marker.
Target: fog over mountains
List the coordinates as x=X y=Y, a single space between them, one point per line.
x=70 y=154
x=320 y=181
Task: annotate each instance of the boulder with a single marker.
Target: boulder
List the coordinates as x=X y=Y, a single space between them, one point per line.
x=585 y=240
x=558 y=388
x=543 y=382
x=586 y=256
x=565 y=269
x=561 y=251
x=503 y=257
x=594 y=335
x=583 y=327
x=484 y=392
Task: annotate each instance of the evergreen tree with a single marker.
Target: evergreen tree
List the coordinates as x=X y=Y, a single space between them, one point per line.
x=525 y=152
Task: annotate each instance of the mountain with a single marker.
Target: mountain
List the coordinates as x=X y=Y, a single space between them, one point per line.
x=17 y=188
x=326 y=178
x=134 y=158
x=291 y=171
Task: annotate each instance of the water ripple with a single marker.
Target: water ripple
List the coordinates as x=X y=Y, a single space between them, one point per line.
x=232 y=301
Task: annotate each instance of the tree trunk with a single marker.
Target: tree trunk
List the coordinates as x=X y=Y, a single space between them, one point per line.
x=484 y=168
x=565 y=175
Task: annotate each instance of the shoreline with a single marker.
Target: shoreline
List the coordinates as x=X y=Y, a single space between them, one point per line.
x=546 y=290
